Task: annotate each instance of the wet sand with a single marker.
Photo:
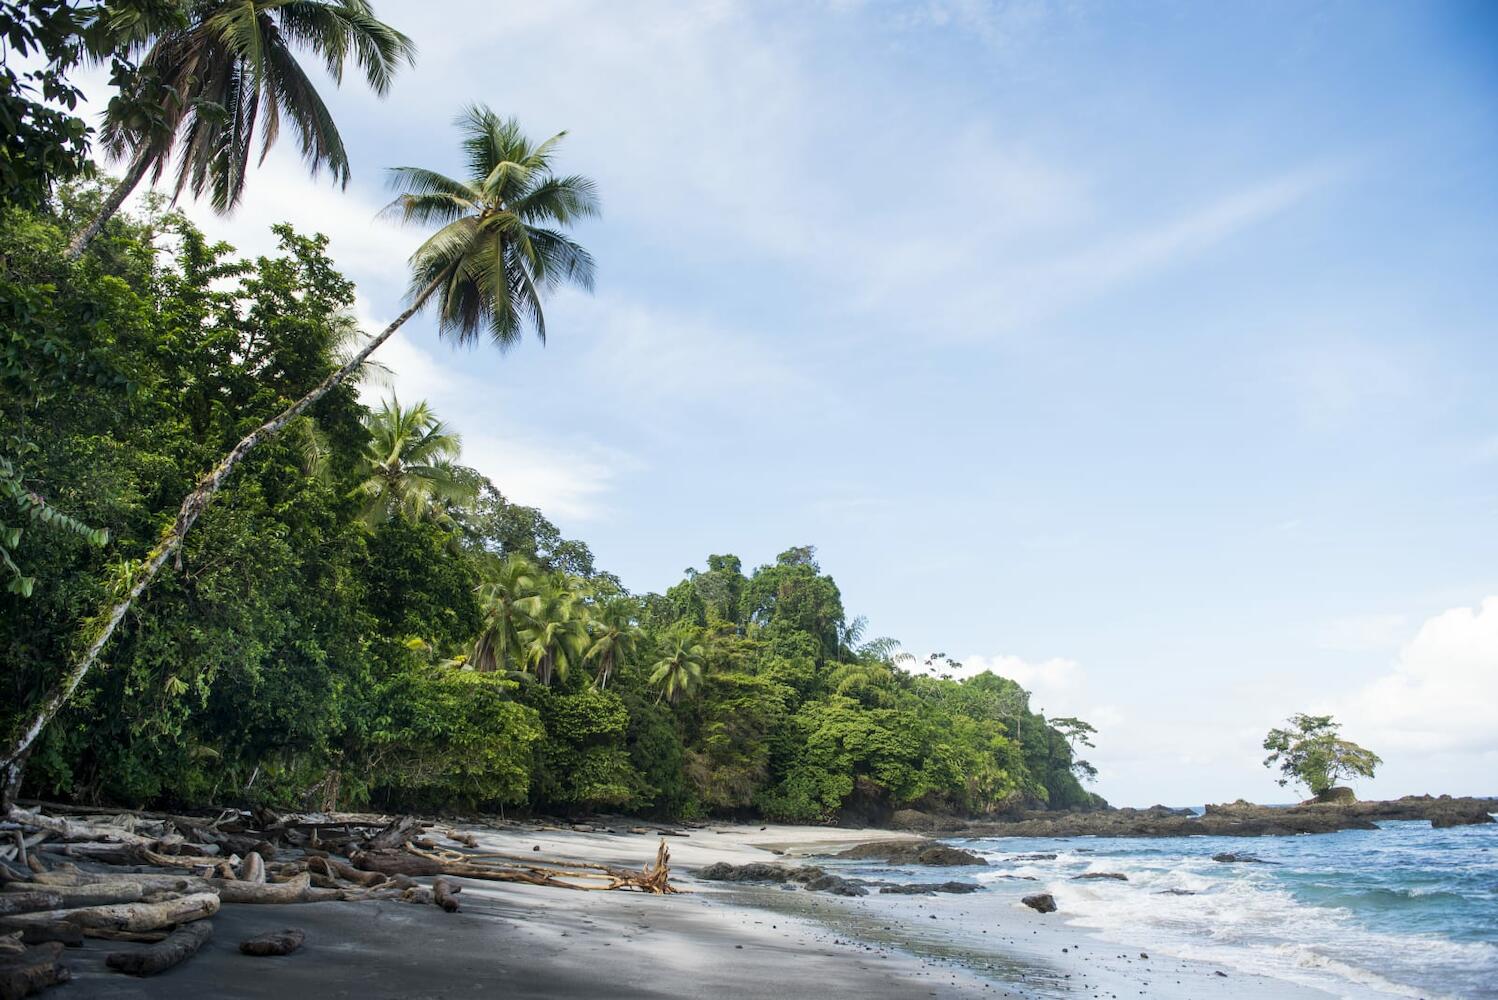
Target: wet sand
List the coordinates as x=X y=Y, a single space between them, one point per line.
x=727 y=941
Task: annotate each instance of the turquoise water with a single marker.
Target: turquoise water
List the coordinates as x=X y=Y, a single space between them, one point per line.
x=1404 y=910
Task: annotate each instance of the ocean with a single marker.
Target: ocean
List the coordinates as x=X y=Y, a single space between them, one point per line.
x=1404 y=910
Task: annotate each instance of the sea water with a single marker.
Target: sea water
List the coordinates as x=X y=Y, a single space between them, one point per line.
x=1404 y=910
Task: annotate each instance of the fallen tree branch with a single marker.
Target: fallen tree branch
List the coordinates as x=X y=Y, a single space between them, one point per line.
x=123 y=916
x=32 y=971
x=179 y=946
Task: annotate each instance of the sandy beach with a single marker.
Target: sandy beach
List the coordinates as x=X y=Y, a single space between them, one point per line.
x=715 y=939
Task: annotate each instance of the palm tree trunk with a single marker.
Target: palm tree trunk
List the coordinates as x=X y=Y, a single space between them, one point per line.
x=18 y=746
x=111 y=205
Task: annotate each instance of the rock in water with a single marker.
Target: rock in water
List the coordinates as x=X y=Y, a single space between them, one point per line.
x=837 y=885
x=919 y=852
x=1116 y=876
x=1234 y=858
x=1043 y=902
x=930 y=888
x=758 y=871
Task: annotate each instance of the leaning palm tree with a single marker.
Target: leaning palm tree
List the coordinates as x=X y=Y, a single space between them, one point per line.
x=680 y=667
x=488 y=268
x=615 y=635
x=407 y=467
x=229 y=75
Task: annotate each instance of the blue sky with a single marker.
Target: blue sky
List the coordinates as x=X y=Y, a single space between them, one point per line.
x=1142 y=351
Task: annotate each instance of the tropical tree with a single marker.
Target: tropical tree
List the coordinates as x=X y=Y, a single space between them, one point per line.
x=407 y=467
x=556 y=632
x=1311 y=753
x=679 y=669
x=208 y=88
x=499 y=641
x=488 y=269
x=614 y=637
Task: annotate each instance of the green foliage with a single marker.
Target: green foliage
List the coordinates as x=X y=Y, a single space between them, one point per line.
x=1310 y=753
x=360 y=619
x=25 y=507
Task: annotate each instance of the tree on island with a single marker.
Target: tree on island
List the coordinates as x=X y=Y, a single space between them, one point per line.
x=1310 y=753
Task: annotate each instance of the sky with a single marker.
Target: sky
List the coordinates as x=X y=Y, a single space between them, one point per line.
x=1143 y=352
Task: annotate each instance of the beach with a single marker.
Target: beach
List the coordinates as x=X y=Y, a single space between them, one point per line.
x=714 y=939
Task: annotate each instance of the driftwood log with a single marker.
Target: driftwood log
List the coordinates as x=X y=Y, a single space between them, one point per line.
x=282 y=942
x=92 y=894
x=252 y=869
x=29 y=902
x=32 y=971
x=446 y=894
x=122 y=916
x=179 y=946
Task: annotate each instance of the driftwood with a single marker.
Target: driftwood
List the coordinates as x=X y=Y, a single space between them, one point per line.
x=71 y=830
x=560 y=874
x=28 y=902
x=11 y=945
x=65 y=934
x=252 y=869
x=123 y=916
x=396 y=863
x=444 y=893
x=91 y=894
x=179 y=946
x=32 y=971
x=395 y=834
x=282 y=942
x=335 y=869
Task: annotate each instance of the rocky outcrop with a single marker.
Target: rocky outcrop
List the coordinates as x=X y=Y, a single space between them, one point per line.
x=1234 y=858
x=837 y=885
x=1241 y=819
x=1044 y=902
x=1115 y=876
x=759 y=871
x=931 y=888
x=912 y=852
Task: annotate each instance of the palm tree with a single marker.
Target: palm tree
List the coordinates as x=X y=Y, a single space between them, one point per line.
x=407 y=466
x=500 y=255
x=499 y=641
x=680 y=667
x=614 y=637
x=556 y=634
x=229 y=72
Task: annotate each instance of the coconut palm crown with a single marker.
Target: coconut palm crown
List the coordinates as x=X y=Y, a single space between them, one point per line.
x=501 y=247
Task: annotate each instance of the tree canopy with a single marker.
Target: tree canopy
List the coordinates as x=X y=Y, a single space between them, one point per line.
x=1308 y=751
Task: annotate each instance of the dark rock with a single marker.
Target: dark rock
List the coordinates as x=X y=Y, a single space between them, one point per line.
x=1116 y=876
x=1234 y=858
x=914 y=819
x=1334 y=796
x=930 y=888
x=1457 y=819
x=837 y=885
x=758 y=871
x=1176 y=892
x=1033 y=857
x=914 y=852
x=1043 y=902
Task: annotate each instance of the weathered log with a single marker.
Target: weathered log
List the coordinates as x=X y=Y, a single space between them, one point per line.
x=397 y=863
x=334 y=868
x=71 y=830
x=179 y=946
x=65 y=934
x=139 y=937
x=235 y=891
x=28 y=902
x=123 y=916
x=395 y=834
x=282 y=942
x=11 y=945
x=91 y=894
x=32 y=971
x=445 y=894
x=252 y=869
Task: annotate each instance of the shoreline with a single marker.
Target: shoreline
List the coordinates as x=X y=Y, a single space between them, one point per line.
x=714 y=939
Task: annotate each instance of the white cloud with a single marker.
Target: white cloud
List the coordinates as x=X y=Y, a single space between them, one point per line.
x=1443 y=690
x=1360 y=633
